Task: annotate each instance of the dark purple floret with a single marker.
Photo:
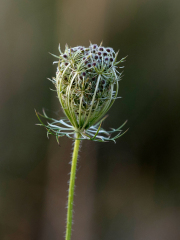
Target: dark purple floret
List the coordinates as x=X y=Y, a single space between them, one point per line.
x=89 y=65
x=86 y=62
x=99 y=53
x=111 y=59
x=81 y=77
x=65 y=56
x=101 y=49
x=106 y=59
x=94 y=64
x=108 y=50
x=105 y=54
x=96 y=57
x=84 y=74
x=66 y=64
x=94 y=46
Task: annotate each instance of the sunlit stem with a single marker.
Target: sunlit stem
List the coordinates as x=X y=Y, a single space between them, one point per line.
x=71 y=188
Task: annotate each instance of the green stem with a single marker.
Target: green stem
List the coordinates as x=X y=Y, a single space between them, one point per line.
x=71 y=188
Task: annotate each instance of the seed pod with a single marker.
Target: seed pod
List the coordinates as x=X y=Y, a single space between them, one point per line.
x=77 y=69
x=87 y=85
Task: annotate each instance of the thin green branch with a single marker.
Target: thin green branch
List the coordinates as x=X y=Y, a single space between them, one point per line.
x=71 y=188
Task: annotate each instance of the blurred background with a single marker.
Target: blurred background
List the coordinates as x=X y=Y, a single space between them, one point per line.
x=129 y=190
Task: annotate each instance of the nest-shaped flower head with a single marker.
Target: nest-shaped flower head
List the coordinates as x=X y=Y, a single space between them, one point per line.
x=87 y=85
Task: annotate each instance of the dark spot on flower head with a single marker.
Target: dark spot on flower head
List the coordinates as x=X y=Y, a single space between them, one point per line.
x=65 y=78
x=100 y=57
x=81 y=77
x=94 y=64
x=106 y=59
x=86 y=62
x=108 y=50
x=101 y=49
x=94 y=51
x=99 y=53
x=111 y=59
x=65 y=56
x=89 y=65
x=66 y=64
x=84 y=58
x=94 y=46
x=84 y=74
x=96 y=57
x=105 y=54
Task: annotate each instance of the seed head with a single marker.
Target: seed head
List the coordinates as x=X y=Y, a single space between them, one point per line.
x=87 y=85
x=88 y=92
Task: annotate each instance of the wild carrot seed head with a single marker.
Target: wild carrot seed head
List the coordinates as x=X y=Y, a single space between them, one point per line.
x=87 y=83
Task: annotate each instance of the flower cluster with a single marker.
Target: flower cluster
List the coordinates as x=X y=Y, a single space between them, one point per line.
x=87 y=85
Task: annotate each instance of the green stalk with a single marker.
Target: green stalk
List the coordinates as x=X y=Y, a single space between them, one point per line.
x=71 y=188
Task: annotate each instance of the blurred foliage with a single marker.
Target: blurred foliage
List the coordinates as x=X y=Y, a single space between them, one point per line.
x=128 y=190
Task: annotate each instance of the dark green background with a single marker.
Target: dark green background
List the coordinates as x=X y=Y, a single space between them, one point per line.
x=129 y=190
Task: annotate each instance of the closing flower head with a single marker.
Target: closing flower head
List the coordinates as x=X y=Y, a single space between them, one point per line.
x=87 y=83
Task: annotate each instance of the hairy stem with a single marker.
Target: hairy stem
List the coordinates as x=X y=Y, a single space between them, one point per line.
x=71 y=188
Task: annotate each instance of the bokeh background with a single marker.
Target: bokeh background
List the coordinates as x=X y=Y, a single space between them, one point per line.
x=129 y=190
